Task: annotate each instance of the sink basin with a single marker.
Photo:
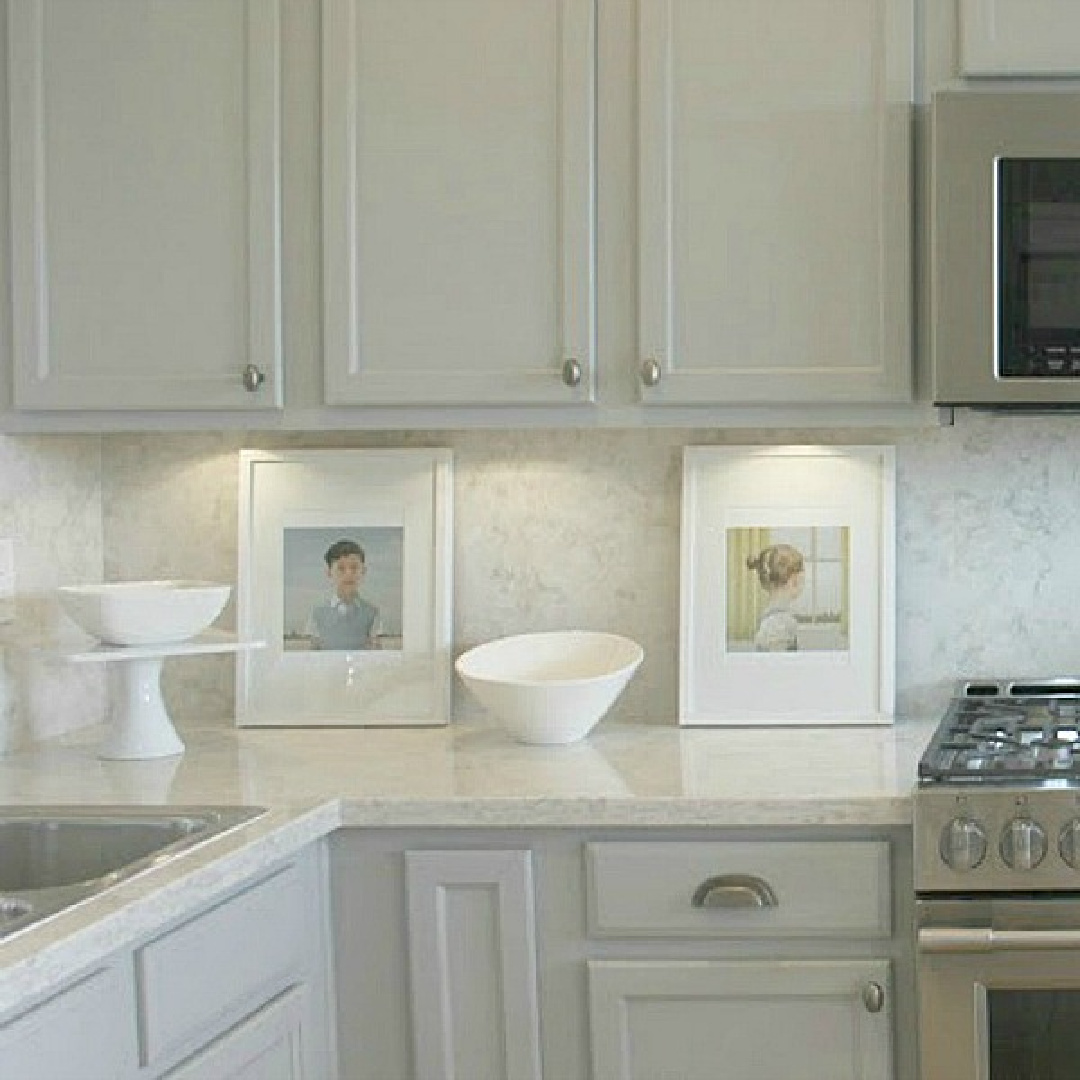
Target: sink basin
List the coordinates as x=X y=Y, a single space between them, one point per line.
x=53 y=857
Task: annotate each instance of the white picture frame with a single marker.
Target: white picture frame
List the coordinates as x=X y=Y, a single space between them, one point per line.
x=770 y=633
x=383 y=656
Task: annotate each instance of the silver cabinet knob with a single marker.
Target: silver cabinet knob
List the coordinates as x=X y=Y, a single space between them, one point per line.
x=873 y=997
x=253 y=378
x=651 y=371
x=571 y=371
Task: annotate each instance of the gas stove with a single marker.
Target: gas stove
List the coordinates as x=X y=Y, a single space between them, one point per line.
x=997 y=807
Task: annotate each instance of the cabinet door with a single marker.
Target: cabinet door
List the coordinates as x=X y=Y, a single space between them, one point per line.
x=775 y=201
x=472 y=960
x=458 y=201
x=266 y=1046
x=697 y=1019
x=145 y=166
x=87 y=1032
x=1019 y=37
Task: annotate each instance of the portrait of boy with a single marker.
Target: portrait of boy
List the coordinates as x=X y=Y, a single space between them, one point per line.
x=343 y=588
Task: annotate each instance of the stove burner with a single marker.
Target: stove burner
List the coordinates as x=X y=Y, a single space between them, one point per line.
x=1006 y=738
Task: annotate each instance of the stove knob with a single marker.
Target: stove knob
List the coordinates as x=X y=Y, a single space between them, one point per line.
x=963 y=844
x=1069 y=843
x=1023 y=844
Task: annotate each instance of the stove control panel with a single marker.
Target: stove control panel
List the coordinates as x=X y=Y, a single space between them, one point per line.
x=987 y=840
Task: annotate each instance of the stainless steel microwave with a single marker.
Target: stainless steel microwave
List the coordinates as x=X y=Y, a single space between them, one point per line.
x=1005 y=245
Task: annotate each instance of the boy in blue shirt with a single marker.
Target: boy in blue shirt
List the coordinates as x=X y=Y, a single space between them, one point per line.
x=345 y=620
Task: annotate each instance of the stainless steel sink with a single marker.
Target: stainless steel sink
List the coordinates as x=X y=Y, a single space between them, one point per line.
x=54 y=856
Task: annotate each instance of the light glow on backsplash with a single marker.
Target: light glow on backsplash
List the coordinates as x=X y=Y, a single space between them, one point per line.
x=580 y=529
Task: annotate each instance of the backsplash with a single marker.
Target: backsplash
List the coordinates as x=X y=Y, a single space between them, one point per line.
x=571 y=528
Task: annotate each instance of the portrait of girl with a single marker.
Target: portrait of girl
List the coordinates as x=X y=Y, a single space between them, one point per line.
x=788 y=589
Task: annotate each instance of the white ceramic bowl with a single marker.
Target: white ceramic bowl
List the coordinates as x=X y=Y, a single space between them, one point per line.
x=553 y=687
x=144 y=612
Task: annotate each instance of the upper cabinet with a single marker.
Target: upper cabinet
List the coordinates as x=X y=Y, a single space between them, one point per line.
x=458 y=201
x=145 y=204
x=1019 y=37
x=460 y=212
x=775 y=201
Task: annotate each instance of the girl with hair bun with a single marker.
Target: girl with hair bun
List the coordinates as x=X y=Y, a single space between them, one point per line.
x=781 y=571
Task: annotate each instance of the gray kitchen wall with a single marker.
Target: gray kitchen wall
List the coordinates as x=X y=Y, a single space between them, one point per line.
x=559 y=529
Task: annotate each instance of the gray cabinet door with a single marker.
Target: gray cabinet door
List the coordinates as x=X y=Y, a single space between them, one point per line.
x=87 y=1032
x=458 y=198
x=472 y=960
x=266 y=1046
x=751 y=1020
x=775 y=201
x=145 y=148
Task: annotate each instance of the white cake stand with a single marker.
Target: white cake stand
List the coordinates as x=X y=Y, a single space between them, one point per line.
x=139 y=720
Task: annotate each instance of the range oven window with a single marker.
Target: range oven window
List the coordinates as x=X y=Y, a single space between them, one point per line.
x=1038 y=267
x=1034 y=1034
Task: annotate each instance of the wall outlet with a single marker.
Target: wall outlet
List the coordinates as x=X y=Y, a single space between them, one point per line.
x=7 y=579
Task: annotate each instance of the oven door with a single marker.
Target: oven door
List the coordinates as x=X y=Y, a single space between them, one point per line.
x=999 y=988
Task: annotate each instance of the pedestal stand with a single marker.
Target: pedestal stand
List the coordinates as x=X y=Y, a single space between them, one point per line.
x=140 y=724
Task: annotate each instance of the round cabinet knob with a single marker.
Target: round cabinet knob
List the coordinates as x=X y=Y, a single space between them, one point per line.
x=252 y=378
x=571 y=371
x=1069 y=843
x=1023 y=844
x=963 y=844
x=651 y=372
x=873 y=996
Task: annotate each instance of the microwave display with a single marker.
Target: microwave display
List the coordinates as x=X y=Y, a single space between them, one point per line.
x=1038 y=267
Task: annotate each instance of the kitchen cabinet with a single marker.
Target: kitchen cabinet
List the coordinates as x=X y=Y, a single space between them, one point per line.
x=774 y=238
x=1019 y=37
x=580 y=954
x=678 y=1016
x=266 y=1046
x=234 y=991
x=85 y=1032
x=459 y=186
x=145 y=174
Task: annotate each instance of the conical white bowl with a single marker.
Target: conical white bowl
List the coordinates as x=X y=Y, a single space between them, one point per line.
x=550 y=687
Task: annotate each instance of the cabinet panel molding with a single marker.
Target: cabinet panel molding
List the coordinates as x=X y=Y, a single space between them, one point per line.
x=458 y=210
x=775 y=250
x=472 y=958
x=145 y=149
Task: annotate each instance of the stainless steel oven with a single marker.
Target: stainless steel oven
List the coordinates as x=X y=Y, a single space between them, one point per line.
x=999 y=988
x=997 y=877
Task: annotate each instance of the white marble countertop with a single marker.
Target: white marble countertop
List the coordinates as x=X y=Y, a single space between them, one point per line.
x=315 y=780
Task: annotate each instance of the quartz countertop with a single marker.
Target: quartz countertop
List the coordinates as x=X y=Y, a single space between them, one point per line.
x=313 y=781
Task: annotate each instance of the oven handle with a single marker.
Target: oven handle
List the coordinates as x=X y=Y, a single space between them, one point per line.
x=938 y=939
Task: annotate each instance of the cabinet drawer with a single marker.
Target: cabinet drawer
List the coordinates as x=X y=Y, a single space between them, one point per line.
x=744 y=889
x=84 y=1033
x=201 y=977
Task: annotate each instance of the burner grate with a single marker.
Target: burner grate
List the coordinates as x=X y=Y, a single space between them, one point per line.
x=1006 y=738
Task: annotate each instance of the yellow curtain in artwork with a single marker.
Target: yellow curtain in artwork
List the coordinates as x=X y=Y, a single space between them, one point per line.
x=745 y=596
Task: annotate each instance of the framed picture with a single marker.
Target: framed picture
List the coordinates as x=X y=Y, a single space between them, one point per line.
x=787 y=595
x=345 y=572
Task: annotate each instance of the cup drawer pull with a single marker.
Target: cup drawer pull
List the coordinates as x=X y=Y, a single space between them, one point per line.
x=734 y=891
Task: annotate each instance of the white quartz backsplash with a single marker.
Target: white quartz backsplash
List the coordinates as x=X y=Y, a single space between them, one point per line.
x=577 y=528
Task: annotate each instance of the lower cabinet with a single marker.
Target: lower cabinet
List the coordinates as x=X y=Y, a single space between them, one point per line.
x=85 y=1032
x=238 y=990
x=759 y=1020
x=587 y=954
x=268 y=1045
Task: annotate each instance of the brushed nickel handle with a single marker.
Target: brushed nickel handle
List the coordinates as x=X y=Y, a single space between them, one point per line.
x=651 y=372
x=734 y=891
x=873 y=997
x=253 y=378
x=571 y=371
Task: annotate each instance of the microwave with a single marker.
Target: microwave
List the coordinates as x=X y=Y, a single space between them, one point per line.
x=1005 y=245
